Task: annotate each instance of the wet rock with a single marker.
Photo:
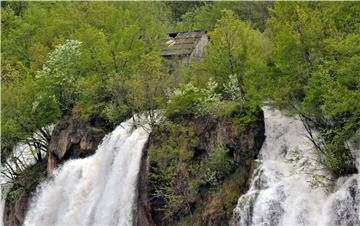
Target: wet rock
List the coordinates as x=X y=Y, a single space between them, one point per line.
x=143 y=214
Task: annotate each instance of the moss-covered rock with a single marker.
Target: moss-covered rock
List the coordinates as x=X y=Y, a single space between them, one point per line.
x=18 y=198
x=185 y=182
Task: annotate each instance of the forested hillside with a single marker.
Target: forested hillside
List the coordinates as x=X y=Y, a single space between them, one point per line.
x=91 y=61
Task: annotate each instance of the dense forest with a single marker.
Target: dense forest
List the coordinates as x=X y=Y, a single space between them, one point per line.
x=91 y=60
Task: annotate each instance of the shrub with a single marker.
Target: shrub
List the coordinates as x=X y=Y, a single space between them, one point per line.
x=220 y=162
x=185 y=100
x=15 y=195
x=220 y=203
x=232 y=89
x=193 y=101
x=338 y=159
x=175 y=177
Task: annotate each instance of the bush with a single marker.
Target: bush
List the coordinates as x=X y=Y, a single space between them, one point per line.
x=232 y=89
x=189 y=100
x=217 y=205
x=15 y=195
x=27 y=180
x=220 y=203
x=93 y=95
x=185 y=100
x=220 y=164
x=338 y=159
x=245 y=115
x=174 y=175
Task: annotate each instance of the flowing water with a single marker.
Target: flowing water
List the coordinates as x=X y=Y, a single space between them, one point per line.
x=280 y=191
x=25 y=155
x=101 y=189
x=97 y=190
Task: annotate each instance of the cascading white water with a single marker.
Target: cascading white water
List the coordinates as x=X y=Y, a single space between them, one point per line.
x=25 y=155
x=97 y=190
x=2 y=208
x=280 y=192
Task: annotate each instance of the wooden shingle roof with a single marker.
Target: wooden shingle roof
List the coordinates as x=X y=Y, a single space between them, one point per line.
x=181 y=43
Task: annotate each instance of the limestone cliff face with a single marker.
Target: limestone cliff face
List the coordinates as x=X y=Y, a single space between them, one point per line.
x=244 y=145
x=74 y=139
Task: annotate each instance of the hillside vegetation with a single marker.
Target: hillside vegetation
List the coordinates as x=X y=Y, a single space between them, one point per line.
x=87 y=60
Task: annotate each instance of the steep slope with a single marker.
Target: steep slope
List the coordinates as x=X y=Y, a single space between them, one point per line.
x=179 y=183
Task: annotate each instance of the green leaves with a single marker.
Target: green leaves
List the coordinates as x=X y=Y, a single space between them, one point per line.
x=314 y=59
x=234 y=49
x=185 y=100
x=206 y=16
x=305 y=57
x=26 y=108
x=221 y=162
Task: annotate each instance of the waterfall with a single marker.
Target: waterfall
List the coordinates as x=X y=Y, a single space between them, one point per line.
x=2 y=207
x=280 y=192
x=25 y=153
x=97 y=190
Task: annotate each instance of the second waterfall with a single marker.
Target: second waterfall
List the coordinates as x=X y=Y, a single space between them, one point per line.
x=281 y=192
x=98 y=190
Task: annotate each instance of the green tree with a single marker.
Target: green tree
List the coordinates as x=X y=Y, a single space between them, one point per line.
x=26 y=109
x=315 y=49
x=147 y=88
x=234 y=49
x=205 y=17
x=60 y=73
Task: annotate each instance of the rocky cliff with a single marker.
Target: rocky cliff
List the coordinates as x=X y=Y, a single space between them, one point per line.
x=74 y=139
x=143 y=214
x=203 y=137
x=209 y=204
x=70 y=139
x=17 y=200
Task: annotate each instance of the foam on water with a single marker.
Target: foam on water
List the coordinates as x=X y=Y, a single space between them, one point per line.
x=280 y=192
x=97 y=190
